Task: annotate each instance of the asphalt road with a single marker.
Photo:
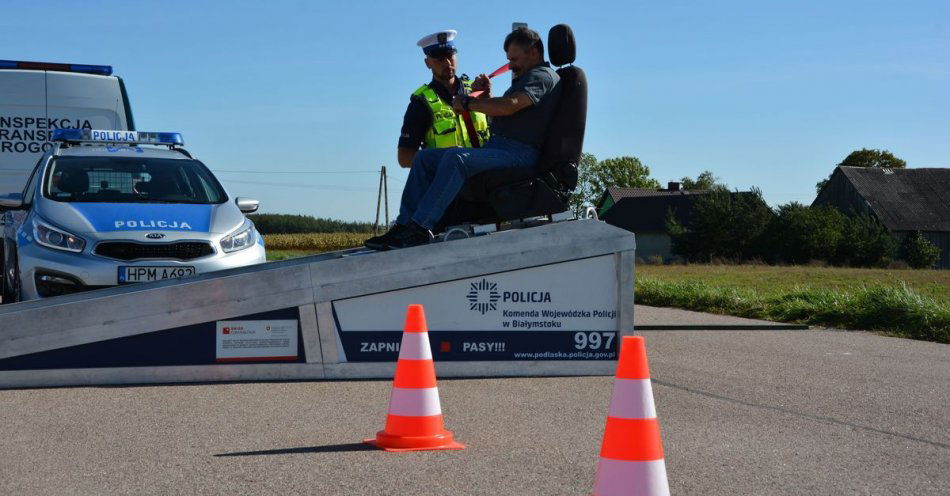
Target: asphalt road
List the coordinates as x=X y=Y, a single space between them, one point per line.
x=741 y=412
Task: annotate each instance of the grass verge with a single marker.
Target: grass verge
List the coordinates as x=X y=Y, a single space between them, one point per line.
x=894 y=310
x=767 y=279
x=276 y=255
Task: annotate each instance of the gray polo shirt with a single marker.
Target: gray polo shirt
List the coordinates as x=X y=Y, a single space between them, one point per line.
x=530 y=124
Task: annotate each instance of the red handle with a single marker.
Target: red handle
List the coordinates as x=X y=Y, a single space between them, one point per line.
x=501 y=70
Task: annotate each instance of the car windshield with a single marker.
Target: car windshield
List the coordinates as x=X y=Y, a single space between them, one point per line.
x=131 y=180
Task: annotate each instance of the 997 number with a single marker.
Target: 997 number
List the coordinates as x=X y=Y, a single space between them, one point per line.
x=594 y=340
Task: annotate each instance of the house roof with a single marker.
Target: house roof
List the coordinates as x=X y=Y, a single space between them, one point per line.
x=905 y=199
x=617 y=193
x=647 y=213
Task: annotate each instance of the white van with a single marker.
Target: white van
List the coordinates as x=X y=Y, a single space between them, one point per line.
x=38 y=97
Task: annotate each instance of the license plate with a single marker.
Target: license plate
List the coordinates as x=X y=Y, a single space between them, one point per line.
x=130 y=274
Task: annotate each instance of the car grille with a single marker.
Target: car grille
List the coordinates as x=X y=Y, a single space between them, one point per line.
x=183 y=250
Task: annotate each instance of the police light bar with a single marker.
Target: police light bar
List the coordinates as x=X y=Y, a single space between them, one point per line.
x=102 y=70
x=110 y=136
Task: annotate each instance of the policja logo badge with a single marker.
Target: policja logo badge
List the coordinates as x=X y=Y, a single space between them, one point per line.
x=483 y=296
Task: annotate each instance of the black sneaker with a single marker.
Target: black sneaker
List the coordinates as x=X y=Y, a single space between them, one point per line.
x=411 y=235
x=379 y=242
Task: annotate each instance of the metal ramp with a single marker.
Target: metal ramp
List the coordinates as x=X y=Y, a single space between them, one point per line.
x=546 y=300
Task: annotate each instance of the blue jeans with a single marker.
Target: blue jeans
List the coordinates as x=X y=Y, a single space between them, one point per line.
x=438 y=174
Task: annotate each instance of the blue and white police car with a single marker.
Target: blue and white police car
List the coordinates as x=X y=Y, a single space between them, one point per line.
x=109 y=207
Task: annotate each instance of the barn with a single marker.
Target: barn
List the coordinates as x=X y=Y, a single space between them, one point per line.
x=904 y=200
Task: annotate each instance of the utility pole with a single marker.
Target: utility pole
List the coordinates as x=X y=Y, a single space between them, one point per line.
x=379 y=199
x=382 y=199
x=386 y=194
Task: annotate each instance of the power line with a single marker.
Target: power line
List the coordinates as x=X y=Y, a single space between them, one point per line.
x=328 y=187
x=293 y=172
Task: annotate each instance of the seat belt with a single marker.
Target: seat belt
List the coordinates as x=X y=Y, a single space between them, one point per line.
x=470 y=127
x=467 y=117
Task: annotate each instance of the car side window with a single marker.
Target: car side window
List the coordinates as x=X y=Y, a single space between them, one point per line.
x=31 y=185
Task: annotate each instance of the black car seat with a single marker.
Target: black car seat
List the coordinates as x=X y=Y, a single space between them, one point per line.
x=75 y=182
x=161 y=185
x=514 y=193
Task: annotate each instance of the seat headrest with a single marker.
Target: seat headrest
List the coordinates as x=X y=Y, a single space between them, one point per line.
x=561 y=47
x=73 y=181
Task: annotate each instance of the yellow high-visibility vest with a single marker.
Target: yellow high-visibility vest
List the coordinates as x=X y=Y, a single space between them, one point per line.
x=448 y=129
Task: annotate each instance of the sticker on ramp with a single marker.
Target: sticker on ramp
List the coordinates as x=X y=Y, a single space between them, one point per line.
x=255 y=340
x=564 y=311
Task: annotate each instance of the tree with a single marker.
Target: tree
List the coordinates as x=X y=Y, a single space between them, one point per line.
x=723 y=224
x=866 y=242
x=595 y=176
x=288 y=224
x=623 y=172
x=704 y=181
x=866 y=157
x=919 y=252
x=800 y=233
x=583 y=195
x=872 y=158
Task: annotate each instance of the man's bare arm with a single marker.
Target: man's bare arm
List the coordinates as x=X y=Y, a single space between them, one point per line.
x=496 y=107
x=405 y=156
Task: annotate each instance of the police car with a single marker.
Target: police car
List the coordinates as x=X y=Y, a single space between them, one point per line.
x=105 y=207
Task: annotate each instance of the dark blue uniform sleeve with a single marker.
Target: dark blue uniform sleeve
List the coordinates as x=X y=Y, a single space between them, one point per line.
x=415 y=123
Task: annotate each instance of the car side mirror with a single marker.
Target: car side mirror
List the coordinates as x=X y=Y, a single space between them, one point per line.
x=247 y=205
x=11 y=201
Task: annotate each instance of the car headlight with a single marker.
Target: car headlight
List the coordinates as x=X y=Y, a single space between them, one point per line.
x=244 y=237
x=58 y=239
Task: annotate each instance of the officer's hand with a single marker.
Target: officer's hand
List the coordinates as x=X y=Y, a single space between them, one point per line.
x=457 y=104
x=482 y=83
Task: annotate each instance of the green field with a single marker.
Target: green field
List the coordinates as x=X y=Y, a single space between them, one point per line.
x=766 y=279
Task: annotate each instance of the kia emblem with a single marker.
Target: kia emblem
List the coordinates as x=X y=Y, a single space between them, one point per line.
x=154 y=235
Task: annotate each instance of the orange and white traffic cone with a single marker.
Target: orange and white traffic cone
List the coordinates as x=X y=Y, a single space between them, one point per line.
x=631 y=456
x=414 y=421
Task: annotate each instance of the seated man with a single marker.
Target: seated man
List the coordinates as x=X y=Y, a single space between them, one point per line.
x=519 y=120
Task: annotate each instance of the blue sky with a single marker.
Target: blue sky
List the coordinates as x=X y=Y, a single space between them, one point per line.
x=763 y=93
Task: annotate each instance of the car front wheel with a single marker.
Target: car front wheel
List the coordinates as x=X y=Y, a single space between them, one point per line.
x=10 y=284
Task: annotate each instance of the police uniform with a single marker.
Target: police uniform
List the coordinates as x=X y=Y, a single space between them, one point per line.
x=430 y=121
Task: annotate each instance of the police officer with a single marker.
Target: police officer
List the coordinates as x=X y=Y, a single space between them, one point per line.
x=430 y=121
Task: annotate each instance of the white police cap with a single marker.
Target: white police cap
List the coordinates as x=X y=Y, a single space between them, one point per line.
x=439 y=43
